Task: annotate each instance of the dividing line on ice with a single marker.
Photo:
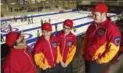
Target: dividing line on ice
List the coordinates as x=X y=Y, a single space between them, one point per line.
x=30 y=29
x=38 y=15
x=57 y=24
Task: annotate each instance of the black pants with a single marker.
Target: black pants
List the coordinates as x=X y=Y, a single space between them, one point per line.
x=93 y=67
x=68 y=69
x=51 y=70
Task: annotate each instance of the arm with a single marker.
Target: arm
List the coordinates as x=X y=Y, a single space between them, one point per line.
x=113 y=44
x=59 y=57
x=84 y=41
x=72 y=51
x=41 y=61
x=39 y=57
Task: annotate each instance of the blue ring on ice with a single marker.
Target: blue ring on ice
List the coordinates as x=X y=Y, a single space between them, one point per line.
x=28 y=36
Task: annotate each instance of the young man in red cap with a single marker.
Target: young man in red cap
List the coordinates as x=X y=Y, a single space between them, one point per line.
x=18 y=60
x=68 y=44
x=101 y=42
x=47 y=51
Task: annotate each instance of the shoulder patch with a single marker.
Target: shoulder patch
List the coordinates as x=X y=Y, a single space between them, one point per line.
x=117 y=41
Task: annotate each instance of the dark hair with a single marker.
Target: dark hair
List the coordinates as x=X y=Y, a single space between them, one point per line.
x=5 y=49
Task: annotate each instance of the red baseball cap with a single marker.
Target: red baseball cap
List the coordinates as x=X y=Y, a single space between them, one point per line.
x=100 y=7
x=46 y=26
x=11 y=37
x=69 y=23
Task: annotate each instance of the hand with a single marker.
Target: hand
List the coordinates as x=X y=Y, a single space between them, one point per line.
x=94 y=58
x=63 y=64
x=46 y=68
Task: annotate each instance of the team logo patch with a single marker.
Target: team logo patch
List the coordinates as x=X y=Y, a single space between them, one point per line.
x=101 y=32
x=117 y=41
x=54 y=44
x=69 y=43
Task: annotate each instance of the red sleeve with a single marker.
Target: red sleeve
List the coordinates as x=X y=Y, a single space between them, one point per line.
x=37 y=47
x=72 y=51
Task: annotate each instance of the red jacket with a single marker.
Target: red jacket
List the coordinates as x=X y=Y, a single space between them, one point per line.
x=101 y=42
x=46 y=53
x=19 y=61
x=67 y=46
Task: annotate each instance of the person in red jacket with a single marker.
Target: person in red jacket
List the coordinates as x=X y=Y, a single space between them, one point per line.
x=101 y=42
x=117 y=64
x=18 y=60
x=68 y=44
x=47 y=51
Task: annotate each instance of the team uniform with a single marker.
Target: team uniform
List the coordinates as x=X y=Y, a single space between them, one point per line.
x=100 y=44
x=19 y=61
x=47 y=53
x=67 y=47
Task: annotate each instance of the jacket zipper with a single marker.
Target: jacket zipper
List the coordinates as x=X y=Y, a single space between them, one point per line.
x=29 y=59
x=51 y=52
x=64 y=46
x=95 y=30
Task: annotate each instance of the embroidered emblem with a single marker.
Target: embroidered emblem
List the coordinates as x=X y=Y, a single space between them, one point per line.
x=69 y=43
x=54 y=44
x=101 y=32
x=117 y=41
